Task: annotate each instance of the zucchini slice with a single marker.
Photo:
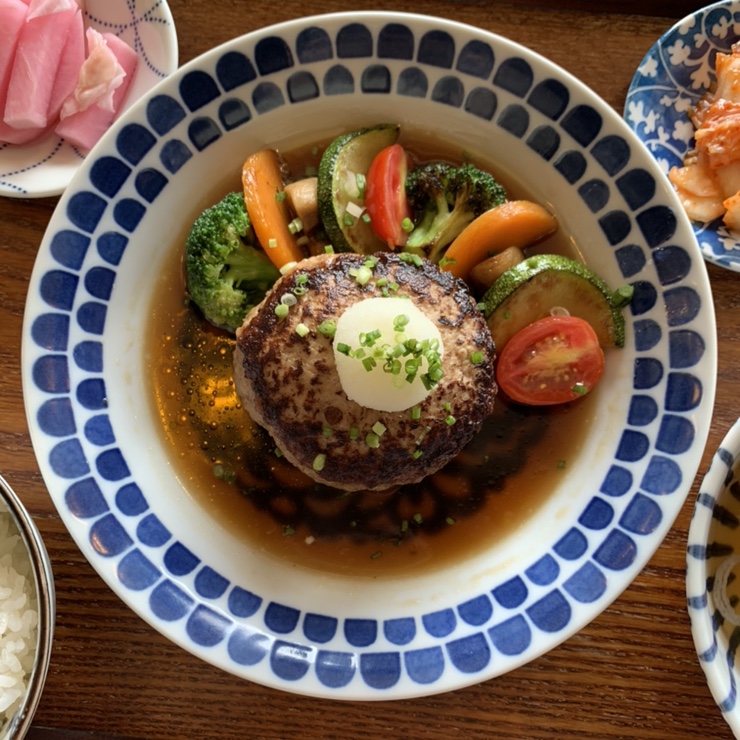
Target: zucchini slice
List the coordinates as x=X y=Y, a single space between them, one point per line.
x=528 y=291
x=340 y=199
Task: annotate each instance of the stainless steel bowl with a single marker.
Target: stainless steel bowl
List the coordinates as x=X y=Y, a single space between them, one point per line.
x=18 y=724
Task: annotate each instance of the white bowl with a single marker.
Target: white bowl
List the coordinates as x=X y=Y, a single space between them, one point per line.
x=29 y=559
x=712 y=569
x=671 y=78
x=103 y=455
x=44 y=167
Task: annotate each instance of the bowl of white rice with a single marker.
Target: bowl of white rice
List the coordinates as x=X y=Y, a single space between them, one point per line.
x=26 y=615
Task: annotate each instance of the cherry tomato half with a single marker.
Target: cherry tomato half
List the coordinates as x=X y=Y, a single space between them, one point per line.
x=554 y=360
x=385 y=195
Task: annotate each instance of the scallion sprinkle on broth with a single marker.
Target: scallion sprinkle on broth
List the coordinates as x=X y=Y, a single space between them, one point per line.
x=488 y=491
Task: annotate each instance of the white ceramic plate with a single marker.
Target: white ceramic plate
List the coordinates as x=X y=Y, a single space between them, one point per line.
x=671 y=78
x=712 y=567
x=104 y=458
x=44 y=167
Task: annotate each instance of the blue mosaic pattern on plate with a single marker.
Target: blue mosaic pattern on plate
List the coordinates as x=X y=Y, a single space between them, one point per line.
x=671 y=78
x=413 y=58
x=51 y=331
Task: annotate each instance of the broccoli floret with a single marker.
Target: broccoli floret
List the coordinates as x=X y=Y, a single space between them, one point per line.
x=445 y=199
x=226 y=274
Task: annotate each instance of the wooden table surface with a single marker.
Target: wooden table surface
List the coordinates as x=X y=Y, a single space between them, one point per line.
x=631 y=673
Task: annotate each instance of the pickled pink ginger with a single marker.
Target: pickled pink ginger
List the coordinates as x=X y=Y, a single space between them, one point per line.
x=12 y=19
x=37 y=57
x=89 y=112
x=57 y=74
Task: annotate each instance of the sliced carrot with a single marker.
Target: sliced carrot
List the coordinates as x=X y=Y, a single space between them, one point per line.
x=516 y=223
x=264 y=198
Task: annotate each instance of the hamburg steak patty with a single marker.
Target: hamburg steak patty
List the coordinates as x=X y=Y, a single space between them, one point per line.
x=288 y=380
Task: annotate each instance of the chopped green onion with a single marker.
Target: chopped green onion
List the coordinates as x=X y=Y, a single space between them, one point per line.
x=393 y=367
x=288 y=299
x=477 y=358
x=328 y=249
x=404 y=525
x=450 y=520
x=361 y=274
x=328 y=328
x=368 y=339
x=302 y=330
x=407 y=225
x=272 y=243
x=343 y=348
x=445 y=261
x=379 y=428
x=622 y=296
x=580 y=389
x=450 y=420
x=287 y=267
x=319 y=461
x=327 y=431
x=354 y=433
x=224 y=472
x=361 y=182
x=416 y=454
x=411 y=258
x=348 y=219
x=280 y=196
x=301 y=279
x=418 y=518
x=372 y=440
x=295 y=226
x=416 y=413
x=281 y=311
x=369 y=363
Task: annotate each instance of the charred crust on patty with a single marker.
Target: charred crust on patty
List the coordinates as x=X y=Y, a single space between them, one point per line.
x=289 y=384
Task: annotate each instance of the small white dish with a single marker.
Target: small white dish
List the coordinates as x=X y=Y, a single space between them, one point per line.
x=712 y=570
x=104 y=455
x=45 y=167
x=671 y=78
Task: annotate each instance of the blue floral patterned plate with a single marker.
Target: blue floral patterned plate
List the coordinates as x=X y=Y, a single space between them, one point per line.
x=712 y=569
x=102 y=452
x=45 y=167
x=671 y=78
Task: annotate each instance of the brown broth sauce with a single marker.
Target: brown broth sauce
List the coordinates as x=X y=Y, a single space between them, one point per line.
x=232 y=470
